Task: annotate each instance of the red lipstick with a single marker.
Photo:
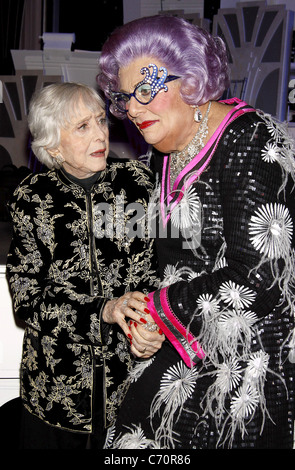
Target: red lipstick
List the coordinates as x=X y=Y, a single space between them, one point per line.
x=98 y=153
x=146 y=124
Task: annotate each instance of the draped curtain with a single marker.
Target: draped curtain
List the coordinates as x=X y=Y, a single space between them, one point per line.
x=11 y=13
x=20 y=28
x=31 y=28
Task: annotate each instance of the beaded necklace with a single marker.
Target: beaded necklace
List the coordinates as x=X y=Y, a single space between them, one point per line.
x=178 y=160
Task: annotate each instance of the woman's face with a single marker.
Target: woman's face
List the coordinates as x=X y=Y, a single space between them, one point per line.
x=84 y=142
x=167 y=122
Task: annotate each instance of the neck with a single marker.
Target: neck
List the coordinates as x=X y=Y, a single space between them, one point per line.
x=178 y=160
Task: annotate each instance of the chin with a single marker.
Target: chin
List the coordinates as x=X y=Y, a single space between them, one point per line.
x=101 y=166
x=162 y=148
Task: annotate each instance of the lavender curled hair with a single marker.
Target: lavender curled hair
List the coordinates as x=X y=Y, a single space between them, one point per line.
x=185 y=50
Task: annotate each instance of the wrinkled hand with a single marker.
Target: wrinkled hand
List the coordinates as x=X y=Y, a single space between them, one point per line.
x=133 y=307
x=145 y=343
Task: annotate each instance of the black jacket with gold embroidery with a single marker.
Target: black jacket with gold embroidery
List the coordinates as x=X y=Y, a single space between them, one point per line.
x=72 y=251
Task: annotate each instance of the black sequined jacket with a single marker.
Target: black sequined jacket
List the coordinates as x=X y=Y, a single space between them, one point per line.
x=227 y=297
x=72 y=251
x=225 y=242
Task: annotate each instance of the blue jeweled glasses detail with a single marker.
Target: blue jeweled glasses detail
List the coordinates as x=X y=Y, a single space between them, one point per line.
x=146 y=90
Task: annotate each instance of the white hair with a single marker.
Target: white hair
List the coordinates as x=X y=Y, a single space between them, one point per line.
x=51 y=109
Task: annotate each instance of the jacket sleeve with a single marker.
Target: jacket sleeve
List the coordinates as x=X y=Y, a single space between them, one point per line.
x=37 y=300
x=216 y=311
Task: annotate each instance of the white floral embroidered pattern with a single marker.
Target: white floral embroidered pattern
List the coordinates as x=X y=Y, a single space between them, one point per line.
x=235 y=295
x=271 y=230
x=270 y=153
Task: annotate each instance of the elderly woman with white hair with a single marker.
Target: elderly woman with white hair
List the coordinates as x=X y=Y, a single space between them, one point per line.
x=72 y=263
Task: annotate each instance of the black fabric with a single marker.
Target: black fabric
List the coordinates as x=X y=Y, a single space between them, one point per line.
x=10 y=419
x=85 y=183
x=36 y=434
x=11 y=14
x=237 y=183
x=62 y=270
x=10 y=177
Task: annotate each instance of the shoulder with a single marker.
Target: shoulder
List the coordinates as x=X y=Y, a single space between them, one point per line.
x=227 y=117
x=259 y=140
x=38 y=178
x=132 y=170
x=244 y=123
x=260 y=127
x=34 y=183
x=238 y=114
x=126 y=165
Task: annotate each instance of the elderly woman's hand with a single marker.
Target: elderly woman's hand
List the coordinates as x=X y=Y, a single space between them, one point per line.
x=143 y=333
x=132 y=305
x=144 y=342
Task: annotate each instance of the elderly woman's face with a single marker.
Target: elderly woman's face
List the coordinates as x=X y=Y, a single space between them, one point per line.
x=167 y=122
x=84 y=143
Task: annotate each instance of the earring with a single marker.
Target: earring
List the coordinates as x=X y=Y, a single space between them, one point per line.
x=59 y=159
x=198 y=115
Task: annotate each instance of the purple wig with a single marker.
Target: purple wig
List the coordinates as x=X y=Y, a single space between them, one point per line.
x=184 y=49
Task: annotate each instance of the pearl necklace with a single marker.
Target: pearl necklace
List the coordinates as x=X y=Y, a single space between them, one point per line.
x=178 y=160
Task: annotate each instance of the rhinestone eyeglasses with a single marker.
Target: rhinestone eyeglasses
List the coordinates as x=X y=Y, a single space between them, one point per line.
x=146 y=90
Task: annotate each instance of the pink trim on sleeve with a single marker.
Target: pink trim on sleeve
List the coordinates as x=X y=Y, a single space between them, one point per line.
x=183 y=341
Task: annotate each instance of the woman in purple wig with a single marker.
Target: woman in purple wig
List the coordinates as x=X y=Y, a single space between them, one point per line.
x=222 y=216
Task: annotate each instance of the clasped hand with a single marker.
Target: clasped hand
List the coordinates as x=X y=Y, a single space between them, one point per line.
x=131 y=313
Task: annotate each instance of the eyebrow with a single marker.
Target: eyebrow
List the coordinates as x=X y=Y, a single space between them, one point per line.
x=88 y=117
x=134 y=86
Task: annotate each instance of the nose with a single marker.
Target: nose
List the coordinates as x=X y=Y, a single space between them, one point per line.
x=101 y=131
x=134 y=108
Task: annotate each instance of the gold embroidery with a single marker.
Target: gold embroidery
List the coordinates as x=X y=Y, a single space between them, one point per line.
x=56 y=264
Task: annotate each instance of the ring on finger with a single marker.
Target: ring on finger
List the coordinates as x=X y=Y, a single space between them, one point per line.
x=149 y=325
x=125 y=302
